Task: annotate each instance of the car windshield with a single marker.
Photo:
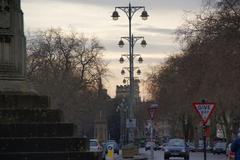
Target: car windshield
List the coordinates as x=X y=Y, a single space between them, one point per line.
x=112 y=143
x=222 y=145
x=149 y=143
x=176 y=142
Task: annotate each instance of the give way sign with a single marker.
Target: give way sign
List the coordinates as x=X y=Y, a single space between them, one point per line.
x=152 y=110
x=205 y=110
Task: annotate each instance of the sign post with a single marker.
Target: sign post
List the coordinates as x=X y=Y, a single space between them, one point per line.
x=205 y=110
x=152 y=110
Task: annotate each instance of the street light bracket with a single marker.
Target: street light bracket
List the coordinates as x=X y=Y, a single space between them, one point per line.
x=134 y=40
x=127 y=55
x=130 y=10
x=128 y=68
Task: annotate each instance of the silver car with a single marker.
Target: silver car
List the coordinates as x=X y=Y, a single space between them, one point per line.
x=95 y=146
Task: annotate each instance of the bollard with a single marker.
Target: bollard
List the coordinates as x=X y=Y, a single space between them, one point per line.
x=110 y=152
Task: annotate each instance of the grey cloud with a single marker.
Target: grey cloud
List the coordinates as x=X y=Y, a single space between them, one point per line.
x=126 y=25
x=154 y=46
x=93 y=2
x=157 y=30
x=173 y=4
x=154 y=60
x=151 y=49
x=147 y=60
x=178 y=4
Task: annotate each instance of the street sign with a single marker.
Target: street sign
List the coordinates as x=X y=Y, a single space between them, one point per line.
x=205 y=110
x=131 y=123
x=152 y=110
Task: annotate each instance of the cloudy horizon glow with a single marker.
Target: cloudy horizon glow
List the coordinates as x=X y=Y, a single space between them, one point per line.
x=93 y=18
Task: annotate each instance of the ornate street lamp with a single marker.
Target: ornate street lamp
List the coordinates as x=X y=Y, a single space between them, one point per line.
x=144 y=15
x=122 y=72
x=121 y=43
x=121 y=60
x=143 y=43
x=130 y=11
x=115 y=15
x=140 y=59
x=139 y=72
x=124 y=81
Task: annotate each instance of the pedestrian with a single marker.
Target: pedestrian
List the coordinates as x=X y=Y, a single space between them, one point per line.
x=235 y=147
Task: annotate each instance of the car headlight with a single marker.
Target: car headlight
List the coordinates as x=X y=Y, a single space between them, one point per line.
x=183 y=150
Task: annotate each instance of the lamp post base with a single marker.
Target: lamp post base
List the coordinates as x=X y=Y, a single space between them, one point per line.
x=129 y=151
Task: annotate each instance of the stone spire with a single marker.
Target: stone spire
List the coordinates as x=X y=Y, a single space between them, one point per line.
x=12 y=48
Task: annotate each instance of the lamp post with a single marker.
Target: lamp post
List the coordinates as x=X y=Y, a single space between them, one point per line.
x=130 y=11
x=126 y=80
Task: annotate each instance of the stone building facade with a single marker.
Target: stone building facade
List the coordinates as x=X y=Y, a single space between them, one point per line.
x=122 y=91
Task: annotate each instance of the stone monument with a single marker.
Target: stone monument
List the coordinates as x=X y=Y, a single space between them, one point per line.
x=29 y=128
x=13 y=50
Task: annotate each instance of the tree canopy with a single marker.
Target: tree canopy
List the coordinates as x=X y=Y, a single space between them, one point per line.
x=69 y=68
x=208 y=67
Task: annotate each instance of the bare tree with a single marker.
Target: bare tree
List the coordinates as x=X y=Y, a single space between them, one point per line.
x=207 y=68
x=67 y=67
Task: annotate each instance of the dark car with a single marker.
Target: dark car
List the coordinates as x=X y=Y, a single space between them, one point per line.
x=176 y=148
x=191 y=147
x=163 y=146
x=114 y=144
x=219 y=147
x=149 y=144
x=229 y=153
x=157 y=147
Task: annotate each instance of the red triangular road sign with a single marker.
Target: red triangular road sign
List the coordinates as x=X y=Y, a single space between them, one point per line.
x=152 y=110
x=151 y=113
x=205 y=110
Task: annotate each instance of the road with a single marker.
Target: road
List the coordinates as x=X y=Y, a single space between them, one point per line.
x=159 y=155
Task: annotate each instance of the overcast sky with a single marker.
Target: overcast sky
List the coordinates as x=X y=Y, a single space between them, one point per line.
x=93 y=18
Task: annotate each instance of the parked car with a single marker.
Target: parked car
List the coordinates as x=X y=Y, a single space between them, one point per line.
x=219 y=147
x=176 y=148
x=228 y=149
x=148 y=145
x=95 y=146
x=163 y=146
x=229 y=153
x=156 y=147
x=191 y=147
x=114 y=144
x=209 y=148
x=200 y=148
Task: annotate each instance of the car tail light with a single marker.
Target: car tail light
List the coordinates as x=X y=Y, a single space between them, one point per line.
x=232 y=155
